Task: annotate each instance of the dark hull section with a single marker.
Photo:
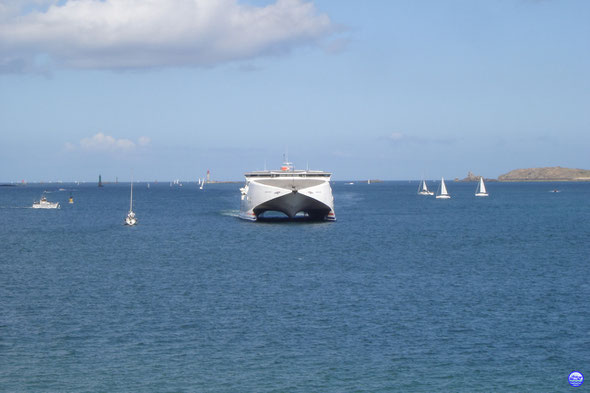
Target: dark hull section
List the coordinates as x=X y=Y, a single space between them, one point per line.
x=293 y=203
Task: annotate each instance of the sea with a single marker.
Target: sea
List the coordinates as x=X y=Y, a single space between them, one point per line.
x=403 y=293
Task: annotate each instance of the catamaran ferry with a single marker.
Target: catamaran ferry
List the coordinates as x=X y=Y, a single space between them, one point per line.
x=296 y=193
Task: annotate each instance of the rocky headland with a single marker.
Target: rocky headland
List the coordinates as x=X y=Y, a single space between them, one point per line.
x=554 y=173
x=471 y=177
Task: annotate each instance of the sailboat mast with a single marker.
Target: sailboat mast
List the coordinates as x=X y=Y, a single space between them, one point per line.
x=131 y=199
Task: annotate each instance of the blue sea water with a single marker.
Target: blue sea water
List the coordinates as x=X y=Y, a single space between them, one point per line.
x=403 y=293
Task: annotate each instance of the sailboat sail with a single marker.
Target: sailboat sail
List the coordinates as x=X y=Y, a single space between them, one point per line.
x=481 y=189
x=443 y=190
x=423 y=189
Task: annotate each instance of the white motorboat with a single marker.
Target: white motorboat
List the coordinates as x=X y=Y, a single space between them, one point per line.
x=481 y=189
x=423 y=189
x=294 y=193
x=443 y=194
x=131 y=219
x=43 y=203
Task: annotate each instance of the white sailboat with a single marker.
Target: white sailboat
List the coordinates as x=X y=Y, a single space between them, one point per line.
x=443 y=194
x=481 y=189
x=423 y=190
x=131 y=219
x=202 y=184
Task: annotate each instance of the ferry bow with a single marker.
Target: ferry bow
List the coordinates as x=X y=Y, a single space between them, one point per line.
x=292 y=192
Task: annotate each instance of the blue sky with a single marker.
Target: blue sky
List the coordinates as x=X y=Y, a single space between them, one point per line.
x=376 y=89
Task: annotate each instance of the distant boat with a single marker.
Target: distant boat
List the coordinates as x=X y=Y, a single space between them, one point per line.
x=481 y=189
x=43 y=203
x=131 y=219
x=71 y=199
x=99 y=181
x=443 y=194
x=148 y=185
x=349 y=183
x=202 y=185
x=423 y=190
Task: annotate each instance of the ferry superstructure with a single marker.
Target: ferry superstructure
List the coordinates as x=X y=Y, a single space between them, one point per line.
x=288 y=191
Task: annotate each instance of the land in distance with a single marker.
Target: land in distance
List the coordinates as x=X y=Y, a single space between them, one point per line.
x=554 y=173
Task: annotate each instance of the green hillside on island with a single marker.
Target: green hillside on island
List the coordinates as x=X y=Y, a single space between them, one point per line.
x=555 y=173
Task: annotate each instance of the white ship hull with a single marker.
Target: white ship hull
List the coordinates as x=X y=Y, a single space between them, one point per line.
x=293 y=193
x=130 y=220
x=44 y=204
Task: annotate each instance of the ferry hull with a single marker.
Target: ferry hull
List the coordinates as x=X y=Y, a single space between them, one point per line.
x=290 y=196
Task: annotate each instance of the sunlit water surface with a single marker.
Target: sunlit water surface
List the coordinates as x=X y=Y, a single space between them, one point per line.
x=402 y=294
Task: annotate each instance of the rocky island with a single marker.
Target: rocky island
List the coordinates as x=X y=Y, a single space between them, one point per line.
x=555 y=173
x=473 y=178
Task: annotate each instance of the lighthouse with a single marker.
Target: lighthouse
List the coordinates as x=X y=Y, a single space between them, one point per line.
x=208 y=176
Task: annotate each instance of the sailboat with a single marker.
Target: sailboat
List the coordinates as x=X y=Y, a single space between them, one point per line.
x=481 y=189
x=423 y=190
x=443 y=194
x=131 y=219
x=202 y=184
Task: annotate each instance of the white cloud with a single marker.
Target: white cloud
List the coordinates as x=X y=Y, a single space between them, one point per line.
x=102 y=142
x=143 y=141
x=120 y=34
x=396 y=136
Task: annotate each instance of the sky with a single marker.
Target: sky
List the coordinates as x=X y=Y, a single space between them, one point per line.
x=380 y=89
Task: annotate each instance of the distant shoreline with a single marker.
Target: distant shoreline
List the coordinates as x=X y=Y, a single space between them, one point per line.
x=545 y=174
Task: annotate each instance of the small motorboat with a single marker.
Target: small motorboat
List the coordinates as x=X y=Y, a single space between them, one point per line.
x=43 y=203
